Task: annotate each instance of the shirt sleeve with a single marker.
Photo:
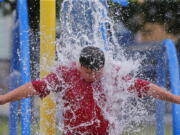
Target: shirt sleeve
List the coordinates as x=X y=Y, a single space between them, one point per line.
x=47 y=84
x=139 y=86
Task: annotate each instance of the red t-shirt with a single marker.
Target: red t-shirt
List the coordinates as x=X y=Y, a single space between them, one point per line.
x=81 y=113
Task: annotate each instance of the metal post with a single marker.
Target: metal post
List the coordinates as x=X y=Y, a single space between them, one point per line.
x=24 y=64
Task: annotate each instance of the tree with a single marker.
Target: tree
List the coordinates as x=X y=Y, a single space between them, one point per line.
x=136 y=15
x=7 y=6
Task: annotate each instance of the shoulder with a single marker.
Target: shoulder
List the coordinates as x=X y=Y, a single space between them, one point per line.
x=66 y=69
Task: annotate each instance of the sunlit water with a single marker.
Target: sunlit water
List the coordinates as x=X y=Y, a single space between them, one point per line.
x=80 y=22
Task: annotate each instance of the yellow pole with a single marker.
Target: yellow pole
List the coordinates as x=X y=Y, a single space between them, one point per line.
x=47 y=57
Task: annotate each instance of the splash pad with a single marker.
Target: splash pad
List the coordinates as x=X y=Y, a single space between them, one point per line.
x=73 y=38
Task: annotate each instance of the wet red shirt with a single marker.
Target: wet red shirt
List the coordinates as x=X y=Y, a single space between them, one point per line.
x=81 y=113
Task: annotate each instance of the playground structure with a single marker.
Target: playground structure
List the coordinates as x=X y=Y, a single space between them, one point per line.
x=21 y=63
x=164 y=54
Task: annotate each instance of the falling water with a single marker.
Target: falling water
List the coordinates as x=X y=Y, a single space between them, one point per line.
x=79 y=26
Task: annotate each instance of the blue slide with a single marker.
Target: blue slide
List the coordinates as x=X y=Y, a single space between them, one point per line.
x=168 y=65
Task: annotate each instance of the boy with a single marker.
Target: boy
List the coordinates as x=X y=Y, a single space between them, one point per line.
x=82 y=115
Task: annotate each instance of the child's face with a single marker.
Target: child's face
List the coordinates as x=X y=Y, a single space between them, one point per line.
x=90 y=75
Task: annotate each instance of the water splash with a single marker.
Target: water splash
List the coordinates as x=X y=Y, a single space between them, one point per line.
x=80 y=22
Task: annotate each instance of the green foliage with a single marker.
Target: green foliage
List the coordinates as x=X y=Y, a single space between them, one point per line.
x=136 y=15
x=3 y=125
x=7 y=6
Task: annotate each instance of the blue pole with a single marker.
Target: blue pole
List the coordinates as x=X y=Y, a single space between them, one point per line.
x=160 y=105
x=173 y=66
x=14 y=79
x=123 y=3
x=24 y=64
x=14 y=106
x=103 y=28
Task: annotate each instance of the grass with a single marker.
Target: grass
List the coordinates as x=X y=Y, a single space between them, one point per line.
x=3 y=126
x=148 y=130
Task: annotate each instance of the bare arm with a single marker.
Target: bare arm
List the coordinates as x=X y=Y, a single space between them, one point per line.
x=21 y=92
x=162 y=94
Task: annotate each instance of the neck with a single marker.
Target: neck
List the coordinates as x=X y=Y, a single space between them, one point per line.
x=78 y=66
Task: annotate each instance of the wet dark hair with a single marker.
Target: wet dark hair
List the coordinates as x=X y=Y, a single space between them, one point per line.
x=92 y=58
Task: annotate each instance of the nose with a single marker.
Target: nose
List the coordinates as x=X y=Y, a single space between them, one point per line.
x=91 y=75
